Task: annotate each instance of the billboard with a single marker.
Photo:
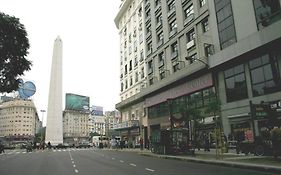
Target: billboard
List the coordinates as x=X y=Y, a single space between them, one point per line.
x=97 y=110
x=76 y=102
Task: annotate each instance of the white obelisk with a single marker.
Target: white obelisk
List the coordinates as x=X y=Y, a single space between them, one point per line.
x=54 y=130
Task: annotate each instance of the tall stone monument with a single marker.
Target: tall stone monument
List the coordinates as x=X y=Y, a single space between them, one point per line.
x=54 y=130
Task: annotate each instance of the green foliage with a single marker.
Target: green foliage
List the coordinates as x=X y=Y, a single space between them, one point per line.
x=276 y=134
x=213 y=107
x=13 y=50
x=190 y=114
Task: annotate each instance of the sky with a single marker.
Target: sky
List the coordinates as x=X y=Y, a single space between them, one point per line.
x=90 y=47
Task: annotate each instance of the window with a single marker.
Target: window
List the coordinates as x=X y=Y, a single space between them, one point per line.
x=159 y=19
x=266 y=12
x=162 y=75
x=122 y=86
x=174 y=50
x=149 y=48
x=150 y=67
x=131 y=80
x=157 y=2
x=209 y=49
x=142 y=72
x=160 y=38
x=141 y=56
x=147 y=13
x=126 y=69
x=173 y=26
x=136 y=61
x=176 y=67
x=195 y=100
x=264 y=75
x=126 y=84
x=136 y=77
x=235 y=82
x=192 y=58
x=202 y=2
x=141 y=38
x=205 y=25
x=190 y=35
x=226 y=28
x=161 y=58
x=131 y=65
x=174 y=47
x=171 y=6
x=189 y=13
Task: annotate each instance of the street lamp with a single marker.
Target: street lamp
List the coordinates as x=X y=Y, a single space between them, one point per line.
x=43 y=111
x=198 y=59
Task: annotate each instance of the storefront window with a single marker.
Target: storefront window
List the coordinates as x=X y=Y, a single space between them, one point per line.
x=195 y=100
x=235 y=83
x=264 y=75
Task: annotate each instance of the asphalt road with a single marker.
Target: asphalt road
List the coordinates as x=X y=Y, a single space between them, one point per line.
x=104 y=162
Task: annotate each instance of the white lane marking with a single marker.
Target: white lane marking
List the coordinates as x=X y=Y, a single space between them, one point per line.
x=74 y=166
x=133 y=164
x=73 y=162
x=17 y=152
x=59 y=150
x=121 y=161
x=113 y=158
x=149 y=169
x=23 y=152
x=76 y=171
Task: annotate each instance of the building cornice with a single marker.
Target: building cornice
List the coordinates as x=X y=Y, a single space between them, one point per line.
x=121 y=11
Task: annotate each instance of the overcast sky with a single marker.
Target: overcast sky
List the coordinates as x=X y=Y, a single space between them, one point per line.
x=90 y=46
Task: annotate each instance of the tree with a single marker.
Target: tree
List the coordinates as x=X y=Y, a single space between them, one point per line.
x=13 y=50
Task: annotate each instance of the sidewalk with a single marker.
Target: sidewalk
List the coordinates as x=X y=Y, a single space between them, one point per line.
x=230 y=159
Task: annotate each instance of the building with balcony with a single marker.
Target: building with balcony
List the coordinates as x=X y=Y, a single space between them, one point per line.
x=19 y=120
x=130 y=20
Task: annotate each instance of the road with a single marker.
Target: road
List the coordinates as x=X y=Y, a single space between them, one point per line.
x=104 y=162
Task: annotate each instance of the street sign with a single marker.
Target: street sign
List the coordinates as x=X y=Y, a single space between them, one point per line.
x=260 y=110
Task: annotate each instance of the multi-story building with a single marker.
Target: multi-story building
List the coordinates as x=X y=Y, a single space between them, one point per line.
x=97 y=124
x=112 y=119
x=197 y=48
x=19 y=120
x=247 y=62
x=75 y=126
x=130 y=22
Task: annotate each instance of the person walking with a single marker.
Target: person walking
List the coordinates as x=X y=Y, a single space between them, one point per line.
x=206 y=143
x=141 y=143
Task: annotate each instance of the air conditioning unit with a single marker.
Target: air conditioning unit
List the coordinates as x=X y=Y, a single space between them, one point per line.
x=190 y=44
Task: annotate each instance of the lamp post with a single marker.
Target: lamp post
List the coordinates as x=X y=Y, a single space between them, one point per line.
x=43 y=111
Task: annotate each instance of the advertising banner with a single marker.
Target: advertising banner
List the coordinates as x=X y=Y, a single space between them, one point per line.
x=76 y=102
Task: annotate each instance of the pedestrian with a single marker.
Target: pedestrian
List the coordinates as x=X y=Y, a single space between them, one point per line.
x=206 y=143
x=141 y=143
x=49 y=145
x=2 y=150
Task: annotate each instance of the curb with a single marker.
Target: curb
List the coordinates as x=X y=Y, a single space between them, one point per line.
x=267 y=168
